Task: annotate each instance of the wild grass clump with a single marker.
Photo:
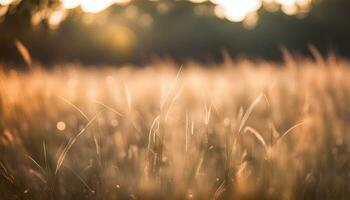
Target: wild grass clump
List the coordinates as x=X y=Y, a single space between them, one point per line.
x=242 y=130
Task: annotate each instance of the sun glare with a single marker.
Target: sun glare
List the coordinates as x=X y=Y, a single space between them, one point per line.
x=5 y=2
x=238 y=10
x=70 y=4
x=56 y=18
x=93 y=6
x=232 y=10
x=90 y=6
x=241 y=10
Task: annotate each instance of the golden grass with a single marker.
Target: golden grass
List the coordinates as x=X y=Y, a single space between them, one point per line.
x=242 y=130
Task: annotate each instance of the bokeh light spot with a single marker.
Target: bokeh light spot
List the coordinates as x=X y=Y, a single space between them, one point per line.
x=232 y=10
x=95 y=6
x=61 y=126
x=70 y=4
x=5 y=2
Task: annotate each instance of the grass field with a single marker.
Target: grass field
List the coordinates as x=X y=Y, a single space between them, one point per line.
x=241 y=130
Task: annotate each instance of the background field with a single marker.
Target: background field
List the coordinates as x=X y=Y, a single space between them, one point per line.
x=241 y=130
x=140 y=30
x=174 y=99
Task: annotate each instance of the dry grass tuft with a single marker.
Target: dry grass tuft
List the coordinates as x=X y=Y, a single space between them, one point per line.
x=163 y=133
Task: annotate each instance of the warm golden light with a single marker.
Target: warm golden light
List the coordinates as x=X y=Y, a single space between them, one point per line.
x=197 y=1
x=56 y=18
x=93 y=6
x=61 y=126
x=286 y=2
x=70 y=4
x=3 y=10
x=251 y=21
x=240 y=10
x=121 y=38
x=236 y=10
x=259 y=116
x=232 y=10
x=121 y=1
x=290 y=9
x=5 y=2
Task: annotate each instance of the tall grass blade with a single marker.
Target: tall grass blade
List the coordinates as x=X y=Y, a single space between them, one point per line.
x=257 y=135
x=128 y=97
x=108 y=107
x=248 y=112
x=72 y=141
x=75 y=107
x=81 y=180
x=24 y=52
x=165 y=99
x=152 y=132
x=289 y=131
x=36 y=163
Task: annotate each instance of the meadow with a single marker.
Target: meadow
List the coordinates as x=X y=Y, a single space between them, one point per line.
x=238 y=130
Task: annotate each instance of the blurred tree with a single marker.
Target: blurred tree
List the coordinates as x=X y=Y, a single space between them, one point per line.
x=178 y=29
x=18 y=16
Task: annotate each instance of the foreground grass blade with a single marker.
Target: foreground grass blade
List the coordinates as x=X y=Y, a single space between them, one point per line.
x=72 y=141
x=248 y=112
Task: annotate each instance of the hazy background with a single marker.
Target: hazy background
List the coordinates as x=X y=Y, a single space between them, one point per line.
x=138 y=31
